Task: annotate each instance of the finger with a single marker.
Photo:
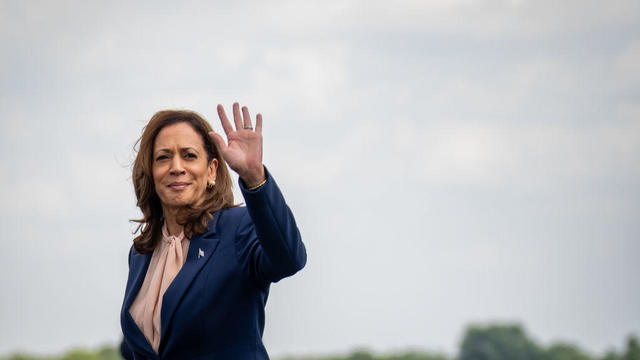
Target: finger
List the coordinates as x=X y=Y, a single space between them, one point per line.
x=222 y=145
x=247 y=118
x=259 y=123
x=237 y=119
x=226 y=125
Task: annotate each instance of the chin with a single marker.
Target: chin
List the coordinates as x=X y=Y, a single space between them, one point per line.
x=177 y=202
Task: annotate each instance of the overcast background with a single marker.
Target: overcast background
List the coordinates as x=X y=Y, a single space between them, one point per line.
x=448 y=162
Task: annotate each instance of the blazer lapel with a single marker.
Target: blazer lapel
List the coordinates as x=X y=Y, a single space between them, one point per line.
x=201 y=249
x=140 y=264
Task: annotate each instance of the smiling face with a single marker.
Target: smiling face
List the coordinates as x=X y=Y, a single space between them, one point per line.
x=181 y=170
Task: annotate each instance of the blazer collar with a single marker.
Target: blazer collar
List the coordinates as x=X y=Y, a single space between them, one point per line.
x=139 y=266
x=201 y=247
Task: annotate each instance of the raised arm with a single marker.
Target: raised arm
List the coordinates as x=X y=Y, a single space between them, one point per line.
x=271 y=244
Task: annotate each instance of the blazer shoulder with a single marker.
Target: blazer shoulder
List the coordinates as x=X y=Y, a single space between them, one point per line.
x=231 y=216
x=136 y=258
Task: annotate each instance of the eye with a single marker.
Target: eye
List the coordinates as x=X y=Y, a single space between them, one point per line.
x=190 y=156
x=162 y=157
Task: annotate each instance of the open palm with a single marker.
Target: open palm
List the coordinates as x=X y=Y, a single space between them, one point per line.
x=243 y=152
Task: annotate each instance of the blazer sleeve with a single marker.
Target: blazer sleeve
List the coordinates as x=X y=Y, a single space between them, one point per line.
x=125 y=351
x=271 y=246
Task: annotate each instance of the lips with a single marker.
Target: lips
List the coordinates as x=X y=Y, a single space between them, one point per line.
x=178 y=185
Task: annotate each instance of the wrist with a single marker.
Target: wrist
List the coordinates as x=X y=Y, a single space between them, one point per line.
x=255 y=179
x=257 y=186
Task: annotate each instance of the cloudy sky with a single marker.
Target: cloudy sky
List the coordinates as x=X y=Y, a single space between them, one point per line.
x=448 y=162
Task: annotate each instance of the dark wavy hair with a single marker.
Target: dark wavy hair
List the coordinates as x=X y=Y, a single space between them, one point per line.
x=194 y=218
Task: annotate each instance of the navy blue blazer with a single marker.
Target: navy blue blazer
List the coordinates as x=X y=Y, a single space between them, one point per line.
x=214 y=308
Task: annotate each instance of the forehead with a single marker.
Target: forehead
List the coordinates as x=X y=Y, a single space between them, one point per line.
x=180 y=134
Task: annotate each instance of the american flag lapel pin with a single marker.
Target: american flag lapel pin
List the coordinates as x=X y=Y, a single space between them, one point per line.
x=200 y=253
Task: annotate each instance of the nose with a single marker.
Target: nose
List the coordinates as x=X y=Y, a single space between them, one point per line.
x=176 y=166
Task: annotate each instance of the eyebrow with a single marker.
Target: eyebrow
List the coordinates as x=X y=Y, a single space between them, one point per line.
x=181 y=149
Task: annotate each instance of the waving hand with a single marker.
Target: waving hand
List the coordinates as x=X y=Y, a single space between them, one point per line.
x=243 y=152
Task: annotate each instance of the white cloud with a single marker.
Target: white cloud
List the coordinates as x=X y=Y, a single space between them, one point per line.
x=473 y=18
x=521 y=155
x=361 y=99
x=349 y=156
x=627 y=65
x=42 y=196
x=310 y=77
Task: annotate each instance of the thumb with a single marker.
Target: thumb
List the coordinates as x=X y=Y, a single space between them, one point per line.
x=222 y=145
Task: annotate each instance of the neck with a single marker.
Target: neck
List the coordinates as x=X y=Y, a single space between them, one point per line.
x=173 y=227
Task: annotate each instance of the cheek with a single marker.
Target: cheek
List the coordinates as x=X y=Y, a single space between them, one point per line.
x=156 y=181
x=157 y=173
x=201 y=182
x=200 y=174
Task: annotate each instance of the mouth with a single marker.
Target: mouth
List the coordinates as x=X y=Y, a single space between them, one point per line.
x=178 y=186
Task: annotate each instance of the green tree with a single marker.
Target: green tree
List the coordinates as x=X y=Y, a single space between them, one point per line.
x=612 y=355
x=416 y=355
x=80 y=354
x=561 y=351
x=360 y=354
x=109 y=353
x=633 y=349
x=20 y=356
x=498 y=342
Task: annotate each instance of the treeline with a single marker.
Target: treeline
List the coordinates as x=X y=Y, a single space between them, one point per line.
x=499 y=342
x=491 y=342
x=106 y=352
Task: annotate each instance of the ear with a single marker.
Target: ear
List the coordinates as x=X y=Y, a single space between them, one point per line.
x=213 y=166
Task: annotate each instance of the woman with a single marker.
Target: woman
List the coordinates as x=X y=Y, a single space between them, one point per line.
x=200 y=269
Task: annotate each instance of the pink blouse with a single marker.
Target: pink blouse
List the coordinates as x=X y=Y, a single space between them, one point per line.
x=166 y=261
